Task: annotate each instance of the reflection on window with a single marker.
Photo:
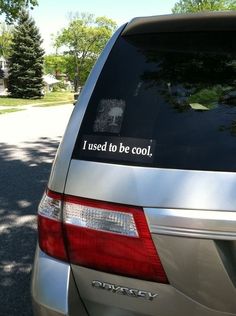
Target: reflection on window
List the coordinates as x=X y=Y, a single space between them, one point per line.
x=178 y=90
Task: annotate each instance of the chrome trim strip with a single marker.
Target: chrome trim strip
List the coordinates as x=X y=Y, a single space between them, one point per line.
x=192 y=223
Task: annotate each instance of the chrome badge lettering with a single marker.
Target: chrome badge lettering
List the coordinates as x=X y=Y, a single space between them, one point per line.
x=118 y=289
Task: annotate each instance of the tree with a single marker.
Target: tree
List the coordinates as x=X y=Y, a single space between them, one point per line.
x=84 y=38
x=185 y=6
x=26 y=60
x=6 y=37
x=56 y=65
x=12 y=8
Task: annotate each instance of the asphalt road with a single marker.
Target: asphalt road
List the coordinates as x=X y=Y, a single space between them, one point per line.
x=28 y=142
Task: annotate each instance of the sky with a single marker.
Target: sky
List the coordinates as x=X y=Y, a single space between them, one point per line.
x=52 y=15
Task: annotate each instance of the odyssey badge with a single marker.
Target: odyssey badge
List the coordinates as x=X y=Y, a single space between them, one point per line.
x=122 y=290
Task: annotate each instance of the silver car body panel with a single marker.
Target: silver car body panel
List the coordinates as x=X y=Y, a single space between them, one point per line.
x=57 y=287
x=63 y=156
x=152 y=187
x=169 y=302
x=201 y=269
x=191 y=215
x=53 y=289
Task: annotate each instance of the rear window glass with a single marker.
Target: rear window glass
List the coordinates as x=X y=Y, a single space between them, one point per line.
x=166 y=101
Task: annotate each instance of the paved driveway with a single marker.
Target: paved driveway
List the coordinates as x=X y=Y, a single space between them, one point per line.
x=28 y=142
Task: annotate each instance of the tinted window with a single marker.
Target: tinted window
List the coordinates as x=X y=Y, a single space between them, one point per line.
x=165 y=100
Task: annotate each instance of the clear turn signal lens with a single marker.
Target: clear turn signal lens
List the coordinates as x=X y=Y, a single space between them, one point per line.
x=100 y=219
x=50 y=206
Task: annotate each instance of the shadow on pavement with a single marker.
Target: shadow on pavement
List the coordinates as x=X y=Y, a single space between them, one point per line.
x=24 y=173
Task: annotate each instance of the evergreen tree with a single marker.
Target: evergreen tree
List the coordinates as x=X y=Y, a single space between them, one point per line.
x=26 y=60
x=12 y=8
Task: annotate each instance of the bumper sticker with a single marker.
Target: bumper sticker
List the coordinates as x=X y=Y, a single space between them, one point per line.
x=117 y=148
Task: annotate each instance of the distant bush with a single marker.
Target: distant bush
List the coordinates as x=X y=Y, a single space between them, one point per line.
x=60 y=86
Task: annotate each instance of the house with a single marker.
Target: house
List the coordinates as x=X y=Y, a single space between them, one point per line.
x=49 y=81
x=3 y=76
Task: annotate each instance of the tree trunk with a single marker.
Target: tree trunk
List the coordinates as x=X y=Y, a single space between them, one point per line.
x=77 y=79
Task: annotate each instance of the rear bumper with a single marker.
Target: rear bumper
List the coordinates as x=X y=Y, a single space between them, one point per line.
x=53 y=289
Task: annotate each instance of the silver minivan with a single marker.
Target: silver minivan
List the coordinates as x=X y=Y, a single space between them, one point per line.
x=139 y=216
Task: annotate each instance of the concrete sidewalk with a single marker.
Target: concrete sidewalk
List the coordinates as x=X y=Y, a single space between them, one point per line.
x=25 y=107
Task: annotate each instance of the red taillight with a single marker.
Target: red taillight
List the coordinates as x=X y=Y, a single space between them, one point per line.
x=50 y=230
x=107 y=237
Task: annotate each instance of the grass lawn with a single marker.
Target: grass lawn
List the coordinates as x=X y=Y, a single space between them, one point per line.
x=51 y=98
